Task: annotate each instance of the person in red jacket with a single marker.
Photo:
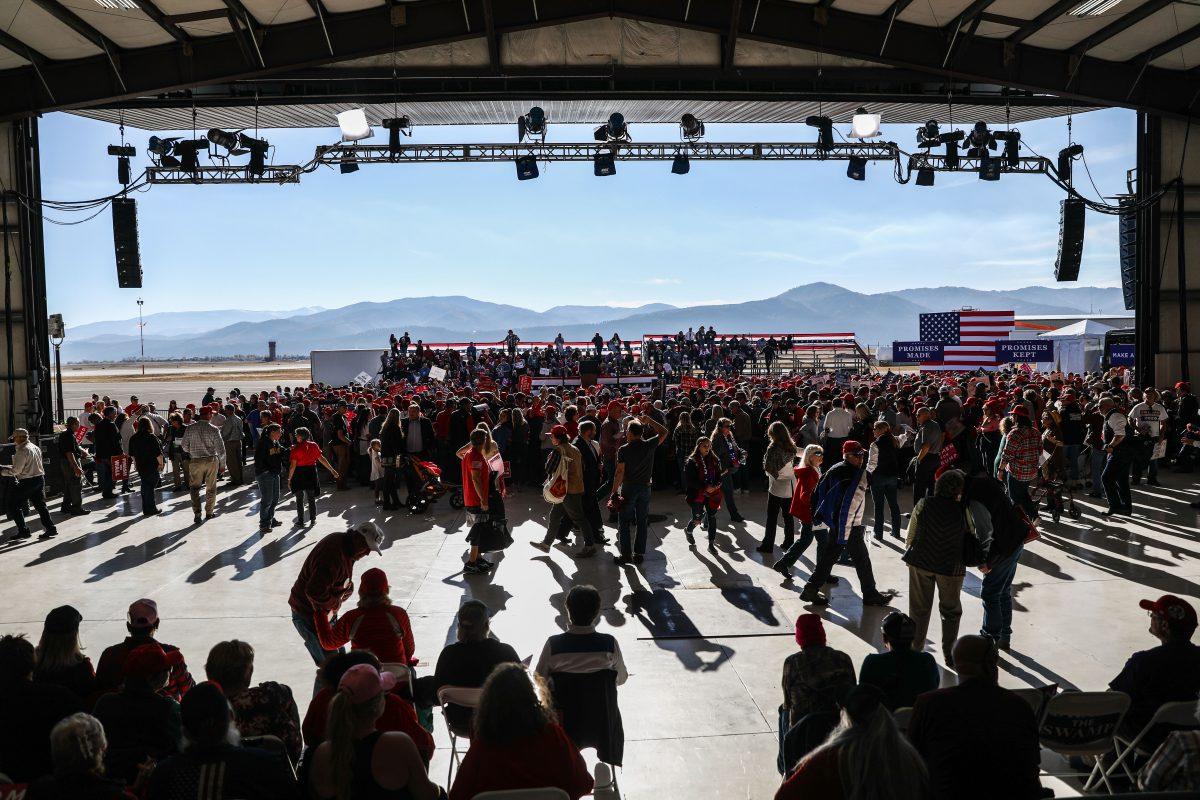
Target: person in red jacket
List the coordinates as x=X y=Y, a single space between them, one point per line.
x=398 y=714
x=376 y=624
x=808 y=474
x=517 y=743
x=325 y=582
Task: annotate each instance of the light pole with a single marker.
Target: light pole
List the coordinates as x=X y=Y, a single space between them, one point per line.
x=58 y=334
x=141 y=337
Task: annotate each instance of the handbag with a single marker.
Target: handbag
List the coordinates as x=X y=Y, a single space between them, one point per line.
x=555 y=487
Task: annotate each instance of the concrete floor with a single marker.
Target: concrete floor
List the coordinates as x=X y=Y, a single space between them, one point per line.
x=699 y=712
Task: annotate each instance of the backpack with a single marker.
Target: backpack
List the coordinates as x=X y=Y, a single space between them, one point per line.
x=555 y=487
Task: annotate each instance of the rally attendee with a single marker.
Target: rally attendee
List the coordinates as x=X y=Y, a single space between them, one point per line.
x=517 y=742
x=901 y=673
x=29 y=709
x=60 y=659
x=631 y=481
x=325 y=582
x=835 y=430
x=146 y=452
x=883 y=465
x=302 y=477
x=267 y=709
x=1019 y=460
x=839 y=501
x=1117 y=447
x=106 y=438
x=232 y=434
x=1150 y=419
x=468 y=661
x=142 y=622
x=571 y=505
x=358 y=760
x=376 y=624
x=818 y=677
x=205 y=449
x=71 y=465
x=28 y=486
x=213 y=761
x=975 y=730
x=779 y=464
x=142 y=724
x=1167 y=673
x=1175 y=765
x=483 y=499
x=808 y=474
x=79 y=747
x=269 y=456
x=991 y=508
x=702 y=486
x=927 y=446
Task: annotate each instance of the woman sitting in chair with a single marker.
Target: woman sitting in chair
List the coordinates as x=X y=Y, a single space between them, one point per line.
x=376 y=624
x=517 y=744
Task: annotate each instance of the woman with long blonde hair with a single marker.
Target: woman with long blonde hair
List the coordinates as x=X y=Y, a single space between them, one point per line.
x=807 y=476
x=357 y=762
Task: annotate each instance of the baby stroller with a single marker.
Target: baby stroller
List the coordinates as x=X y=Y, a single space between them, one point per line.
x=1052 y=484
x=425 y=486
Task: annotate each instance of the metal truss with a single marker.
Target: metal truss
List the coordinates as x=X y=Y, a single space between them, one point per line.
x=338 y=154
x=222 y=174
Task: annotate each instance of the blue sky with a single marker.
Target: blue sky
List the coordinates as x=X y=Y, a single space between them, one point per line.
x=726 y=232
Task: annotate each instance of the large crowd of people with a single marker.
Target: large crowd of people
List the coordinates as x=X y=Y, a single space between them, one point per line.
x=991 y=461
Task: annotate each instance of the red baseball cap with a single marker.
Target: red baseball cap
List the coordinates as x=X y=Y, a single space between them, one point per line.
x=560 y=430
x=852 y=448
x=1177 y=611
x=374 y=581
x=149 y=660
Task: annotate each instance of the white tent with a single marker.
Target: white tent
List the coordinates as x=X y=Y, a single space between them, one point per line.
x=1078 y=346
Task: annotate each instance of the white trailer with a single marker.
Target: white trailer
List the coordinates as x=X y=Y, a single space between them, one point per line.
x=343 y=367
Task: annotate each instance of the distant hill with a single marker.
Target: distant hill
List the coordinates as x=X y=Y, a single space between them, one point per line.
x=815 y=308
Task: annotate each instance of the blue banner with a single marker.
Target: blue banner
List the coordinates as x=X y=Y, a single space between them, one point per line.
x=1120 y=355
x=917 y=351
x=1024 y=351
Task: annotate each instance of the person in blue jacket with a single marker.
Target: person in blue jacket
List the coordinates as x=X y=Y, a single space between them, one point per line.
x=839 y=502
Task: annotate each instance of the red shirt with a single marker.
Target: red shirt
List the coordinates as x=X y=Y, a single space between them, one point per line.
x=371 y=629
x=474 y=463
x=305 y=454
x=806 y=481
x=547 y=758
x=398 y=715
x=817 y=776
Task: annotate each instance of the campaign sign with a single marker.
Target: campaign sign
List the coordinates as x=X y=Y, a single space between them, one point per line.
x=917 y=351
x=1024 y=351
x=1121 y=355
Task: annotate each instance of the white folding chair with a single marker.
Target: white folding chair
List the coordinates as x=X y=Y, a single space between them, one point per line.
x=1084 y=724
x=403 y=675
x=1037 y=698
x=902 y=716
x=1178 y=714
x=606 y=783
x=466 y=697
x=545 y=793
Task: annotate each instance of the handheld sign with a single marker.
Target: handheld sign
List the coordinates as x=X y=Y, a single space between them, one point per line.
x=1121 y=355
x=917 y=351
x=362 y=378
x=1024 y=351
x=437 y=373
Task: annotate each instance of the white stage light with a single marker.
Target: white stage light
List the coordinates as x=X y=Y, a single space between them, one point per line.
x=354 y=125
x=864 y=125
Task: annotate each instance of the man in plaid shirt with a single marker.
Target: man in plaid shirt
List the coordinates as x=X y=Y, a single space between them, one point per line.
x=1020 y=458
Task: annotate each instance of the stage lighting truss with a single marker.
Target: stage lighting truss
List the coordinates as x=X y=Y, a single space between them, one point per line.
x=229 y=173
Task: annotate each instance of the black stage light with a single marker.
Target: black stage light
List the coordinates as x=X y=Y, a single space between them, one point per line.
x=925 y=176
x=824 y=126
x=989 y=167
x=979 y=140
x=224 y=139
x=126 y=150
x=952 y=139
x=604 y=164
x=1012 y=147
x=691 y=128
x=257 y=148
x=395 y=127
x=532 y=125
x=1065 y=157
x=856 y=169
x=615 y=130
x=928 y=135
x=160 y=147
x=349 y=164
x=188 y=153
x=527 y=168
x=681 y=165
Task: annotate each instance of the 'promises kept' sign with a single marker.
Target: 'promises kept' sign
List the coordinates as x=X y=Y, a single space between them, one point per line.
x=1024 y=351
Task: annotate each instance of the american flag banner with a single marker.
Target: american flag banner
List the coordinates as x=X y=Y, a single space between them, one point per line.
x=968 y=338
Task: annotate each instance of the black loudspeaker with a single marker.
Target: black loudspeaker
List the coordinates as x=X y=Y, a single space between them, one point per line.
x=125 y=243
x=1127 y=238
x=589 y=366
x=1070 y=239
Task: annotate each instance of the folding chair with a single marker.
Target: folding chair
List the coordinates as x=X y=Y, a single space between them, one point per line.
x=1084 y=724
x=1180 y=714
x=466 y=697
x=606 y=783
x=1038 y=697
x=902 y=716
x=545 y=793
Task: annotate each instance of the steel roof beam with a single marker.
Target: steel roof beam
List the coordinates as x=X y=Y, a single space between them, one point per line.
x=1174 y=43
x=1042 y=20
x=1120 y=25
x=160 y=19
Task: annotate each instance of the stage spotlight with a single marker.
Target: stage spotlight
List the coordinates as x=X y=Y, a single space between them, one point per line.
x=349 y=164
x=395 y=127
x=864 y=125
x=856 y=169
x=615 y=130
x=188 y=153
x=980 y=139
x=1065 y=157
x=929 y=135
x=224 y=139
x=604 y=164
x=1012 y=146
x=160 y=151
x=925 y=176
x=681 y=165
x=532 y=125
x=824 y=126
x=527 y=168
x=257 y=148
x=354 y=125
x=952 y=139
x=690 y=128
x=989 y=167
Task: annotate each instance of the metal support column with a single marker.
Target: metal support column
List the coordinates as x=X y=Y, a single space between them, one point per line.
x=1149 y=142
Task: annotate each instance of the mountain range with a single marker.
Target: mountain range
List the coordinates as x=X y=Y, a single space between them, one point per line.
x=815 y=307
